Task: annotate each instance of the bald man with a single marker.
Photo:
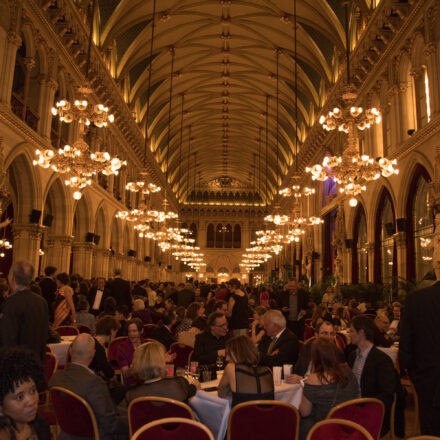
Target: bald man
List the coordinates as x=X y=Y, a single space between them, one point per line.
x=81 y=380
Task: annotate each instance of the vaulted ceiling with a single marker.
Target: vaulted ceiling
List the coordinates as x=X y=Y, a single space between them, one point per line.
x=226 y=57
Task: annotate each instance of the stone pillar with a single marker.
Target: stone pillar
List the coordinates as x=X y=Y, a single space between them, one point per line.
x=7 y=66
x=370 y=253
x=29 y=64
x=27 y=242
x=48 y=86
x=58 y=250
x=82 y=258
x=400 y=241
x=432 y=65
x=102 y=260
x=347 y=258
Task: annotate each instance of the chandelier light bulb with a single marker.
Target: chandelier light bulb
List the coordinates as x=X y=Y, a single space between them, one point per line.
x=353 y=202
x=77 y=195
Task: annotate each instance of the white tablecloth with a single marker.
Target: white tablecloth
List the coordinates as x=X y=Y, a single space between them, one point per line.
x=213 y=411
x=60 y=350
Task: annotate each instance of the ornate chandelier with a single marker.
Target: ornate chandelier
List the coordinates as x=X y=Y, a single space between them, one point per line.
x=4 y=245
x=79 y=163
x=296 y=191
x=142 y=185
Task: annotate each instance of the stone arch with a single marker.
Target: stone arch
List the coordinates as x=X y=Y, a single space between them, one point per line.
x=101 y=227
x=81 y=219
x=116 y=234
x=56 y=204
x=417 y=50
x=24 y=183
x=127 y=242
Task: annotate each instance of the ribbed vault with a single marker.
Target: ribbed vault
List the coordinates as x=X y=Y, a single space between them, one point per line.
x=225 y=74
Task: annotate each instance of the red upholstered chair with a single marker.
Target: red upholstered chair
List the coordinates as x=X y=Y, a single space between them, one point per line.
x=173 y=429
x=50 y=366
x=113 y=349
x=148 y=330
x=67 y=330
x=82 y=328
x=74 y=415
x=367 y=412
x=308 y=332
x=424 y=437
x=144 y=410
x=182 y=352
x=338 y=429
x=263 y=420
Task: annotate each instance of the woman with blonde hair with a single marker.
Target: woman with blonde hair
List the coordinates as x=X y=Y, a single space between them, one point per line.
x=149 y=369
x=243 y=378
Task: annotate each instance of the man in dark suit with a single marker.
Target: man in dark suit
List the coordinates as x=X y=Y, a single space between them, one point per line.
x=294 y=302
x=120 y=290
x=211 y=344
x=279 y=345
x=48 y=288
x=420 y=353
x=324 y=330
x=373 y=368
x=84 y=382
x=162 y=333
x=97 y=295
x=185 y=296
x=25 y=316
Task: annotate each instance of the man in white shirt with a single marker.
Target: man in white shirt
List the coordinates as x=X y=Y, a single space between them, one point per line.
x=97 y=295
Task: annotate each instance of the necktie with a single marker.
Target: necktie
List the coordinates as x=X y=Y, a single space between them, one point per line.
x=271 y=345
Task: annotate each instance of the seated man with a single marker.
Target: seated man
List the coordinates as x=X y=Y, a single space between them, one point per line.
x=324 y=330
x=163 y=333
x=373 y=368
x=211 y=343
x=279 y=345
x=84 y=382
x=382 y=325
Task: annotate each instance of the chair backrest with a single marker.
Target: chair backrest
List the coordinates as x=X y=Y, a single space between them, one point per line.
x=341 y=341
x=50 y=366
x=338 y=429
x=308 y=332
x=113 y=348
x=82 y=328
x=263 y=419
x=148 y=330
x=74 y=415
x=67 y=330
x=182 y=352
x=367 y=412
x=173 y=429
x=424 y=437
x=143 y=410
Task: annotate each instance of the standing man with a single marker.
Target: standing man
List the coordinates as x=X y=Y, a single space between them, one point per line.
x=48 y=288
x=185 y=296
x=420 y=353
x=24 y=320
x=294 y=307
x=120 y=290
x=97 y=295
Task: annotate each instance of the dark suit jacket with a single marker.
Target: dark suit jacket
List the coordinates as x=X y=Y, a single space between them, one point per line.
x=93 y=389
x=302 y=365
x=185 y=297
x=91 y=299
x=419 y=346
x=24 y=321
x=48 y=288
x=287 y=346
x=163 y=335
x=378 y=379
x=120 y=291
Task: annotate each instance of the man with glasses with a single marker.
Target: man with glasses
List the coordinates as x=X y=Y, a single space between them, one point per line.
x=211 y=343
x=324 y=329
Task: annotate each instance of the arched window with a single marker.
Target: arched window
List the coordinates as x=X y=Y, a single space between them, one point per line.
x=359 y=249
x=419 y=227
x=237 y=236
x=385 y=256
x=193 y=231
x=228 y=236
x=219 y=235
x=210 y=236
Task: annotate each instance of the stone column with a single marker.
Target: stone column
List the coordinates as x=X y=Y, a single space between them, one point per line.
x=400 y=241
x=29 y=63
x=58 y=250
x=347 y=258
x=432 y=65
x=102 y=260
x=27 y=242
x=370 y=253
x=7 y=66
x=48 y=86
x=82 y=258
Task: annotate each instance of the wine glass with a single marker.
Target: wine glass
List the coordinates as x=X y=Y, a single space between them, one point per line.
x=219 y=362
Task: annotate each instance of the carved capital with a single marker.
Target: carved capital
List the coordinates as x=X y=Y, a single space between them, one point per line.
x=29 y=63
x=400 y=239
x=430 y=49
x=416 y=72
x=29 y=231
x=14 y=39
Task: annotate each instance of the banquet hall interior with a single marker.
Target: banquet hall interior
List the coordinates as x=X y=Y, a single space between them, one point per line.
x=188 y=141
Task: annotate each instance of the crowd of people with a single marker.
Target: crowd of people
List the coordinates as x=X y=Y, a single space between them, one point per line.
x=246 y=330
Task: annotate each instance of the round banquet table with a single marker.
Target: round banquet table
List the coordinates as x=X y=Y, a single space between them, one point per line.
x=61 y=348
x=213 y=411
